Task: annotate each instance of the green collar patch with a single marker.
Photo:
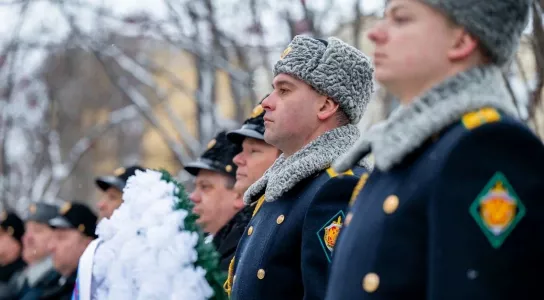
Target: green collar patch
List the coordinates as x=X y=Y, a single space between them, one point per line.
x=328 y=234
x=497 y=209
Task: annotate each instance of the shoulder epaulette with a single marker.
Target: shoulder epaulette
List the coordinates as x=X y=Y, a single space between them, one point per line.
x=480 y=117
x=333 y=174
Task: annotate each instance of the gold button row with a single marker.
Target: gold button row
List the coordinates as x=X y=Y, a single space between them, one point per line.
x=261 y=273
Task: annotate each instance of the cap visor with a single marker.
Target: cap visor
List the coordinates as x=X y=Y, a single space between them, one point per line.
x=105 y=182
x=194 y=167
x=60 y=222
x=237 y=136
x=40 y=218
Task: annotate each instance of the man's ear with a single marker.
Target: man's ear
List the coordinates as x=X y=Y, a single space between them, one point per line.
x=463 y=45
x=327 y=108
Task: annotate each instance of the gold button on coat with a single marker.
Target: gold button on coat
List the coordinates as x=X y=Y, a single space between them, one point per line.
x=280 y=219
x=371 y=282
x=391 y=204
x=260 y=274
x=348 y=218
x=250 y=230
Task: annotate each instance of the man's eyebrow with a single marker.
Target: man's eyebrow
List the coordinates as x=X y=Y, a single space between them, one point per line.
x=202 y=181
x=282 y=82
x=394 y=9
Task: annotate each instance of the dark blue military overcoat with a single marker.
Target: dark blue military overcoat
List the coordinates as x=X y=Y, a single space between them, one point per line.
x=459 y=218
x=287 y=247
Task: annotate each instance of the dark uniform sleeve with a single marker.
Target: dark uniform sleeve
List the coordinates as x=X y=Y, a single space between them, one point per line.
x=322 y=225
x=486 y=216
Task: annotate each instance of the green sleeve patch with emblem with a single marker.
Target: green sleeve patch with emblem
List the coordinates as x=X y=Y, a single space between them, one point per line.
x=497 y=210
x=328 y=234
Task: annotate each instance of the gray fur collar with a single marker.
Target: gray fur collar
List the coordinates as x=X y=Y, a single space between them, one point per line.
x=411 y=125
x=316 y=156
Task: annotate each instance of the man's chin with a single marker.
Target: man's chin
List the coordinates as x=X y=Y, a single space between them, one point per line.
x=27 y=257
x=241 y=187
x=201 y=223
x=104 y=215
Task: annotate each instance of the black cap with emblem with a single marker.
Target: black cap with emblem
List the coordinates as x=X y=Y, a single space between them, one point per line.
x=252 y=127
x=119 y=178
x=218 y=157
x=76 y=216
x=12 y=225
x=42 y=212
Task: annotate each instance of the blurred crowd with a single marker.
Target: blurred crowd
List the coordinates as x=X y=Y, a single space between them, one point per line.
x=39 y=254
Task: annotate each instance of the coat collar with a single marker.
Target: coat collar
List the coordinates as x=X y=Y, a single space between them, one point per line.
x=410 y=126
x=316 y=156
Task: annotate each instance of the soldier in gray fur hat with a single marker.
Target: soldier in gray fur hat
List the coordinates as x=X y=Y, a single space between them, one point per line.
x=321 y=88
x=453 y=207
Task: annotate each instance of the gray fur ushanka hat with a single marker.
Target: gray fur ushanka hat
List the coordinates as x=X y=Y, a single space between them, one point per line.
x=333 y=68
x=498 y=24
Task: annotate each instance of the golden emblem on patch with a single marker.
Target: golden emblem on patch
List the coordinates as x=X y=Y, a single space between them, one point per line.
x=328 y=234
x=331 y=233
x=497 y=209
x=285 y=52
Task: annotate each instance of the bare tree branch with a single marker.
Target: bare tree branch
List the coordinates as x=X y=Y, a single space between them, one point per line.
x=84 y=144
x=121 y=82
x=142 y=105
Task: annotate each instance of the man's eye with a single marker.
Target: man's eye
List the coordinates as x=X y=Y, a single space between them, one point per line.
x=400 y=19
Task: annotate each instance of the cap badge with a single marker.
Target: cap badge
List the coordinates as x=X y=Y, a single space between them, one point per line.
x=285 y=52
x=257 y=111
x=119 y=171
x=65 y=208
x=32 y=209
x=211 y=143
